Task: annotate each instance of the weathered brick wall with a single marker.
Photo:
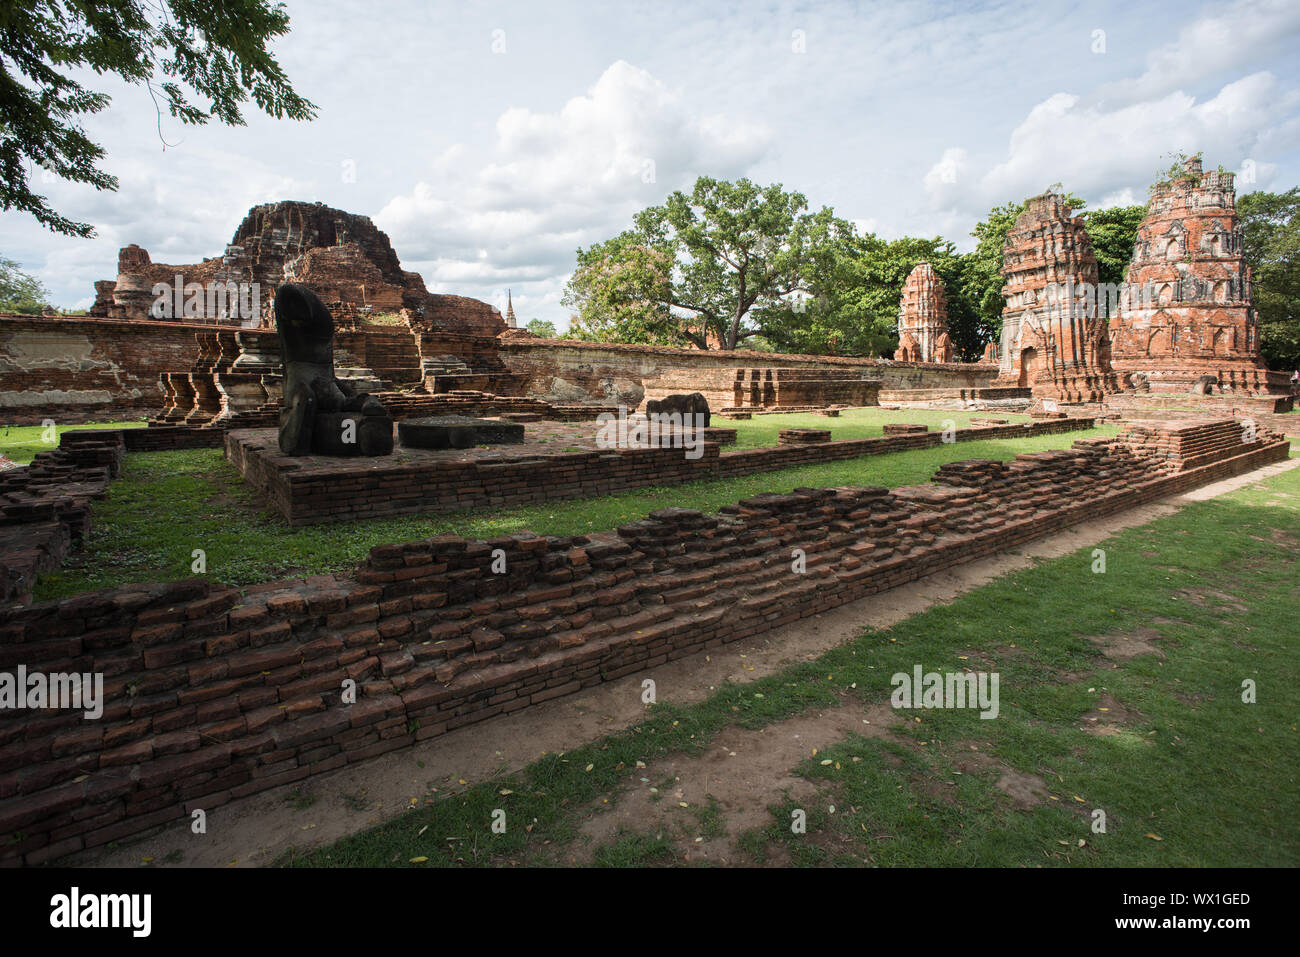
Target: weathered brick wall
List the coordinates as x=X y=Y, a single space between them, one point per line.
x=381 y=489
x=566 y=371
x=213 y=694
x=74 y=369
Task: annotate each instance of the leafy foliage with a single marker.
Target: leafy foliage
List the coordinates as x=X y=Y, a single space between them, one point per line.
x=20 y=292
x=698 y=269
x=543 y=327
x=1114 y=233
x=216 y=51
x=1271 y=226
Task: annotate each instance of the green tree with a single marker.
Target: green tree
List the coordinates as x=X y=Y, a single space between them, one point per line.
x=215 y=51
x=20 y=292
x=699 y=268
x=1114 y=234
x=542 y=327
x=1270 y=225
x=853 y=309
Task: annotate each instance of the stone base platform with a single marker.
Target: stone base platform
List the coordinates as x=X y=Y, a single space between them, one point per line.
x=554 y=460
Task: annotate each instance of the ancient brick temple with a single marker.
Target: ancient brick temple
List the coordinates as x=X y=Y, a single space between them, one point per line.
x=1199 y=318
x=1053 y=341
x=923 y=318
x=342 y=256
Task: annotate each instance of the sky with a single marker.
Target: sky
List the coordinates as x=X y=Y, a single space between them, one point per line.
x=491 y=140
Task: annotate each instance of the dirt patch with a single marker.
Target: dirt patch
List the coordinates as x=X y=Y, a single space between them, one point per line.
x=1122 y=647
x=1109 y=717
x=969 y=759
x=1025 y=790
x=743 y=772
x=976 y=660
x=1201 y=599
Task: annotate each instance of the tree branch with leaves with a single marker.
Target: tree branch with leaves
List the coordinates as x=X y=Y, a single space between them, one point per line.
x=216 y=52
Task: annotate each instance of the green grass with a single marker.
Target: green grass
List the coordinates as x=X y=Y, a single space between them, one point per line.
x=762 y=430
x=1192 y=777
x=167 y=504
x=21 y=442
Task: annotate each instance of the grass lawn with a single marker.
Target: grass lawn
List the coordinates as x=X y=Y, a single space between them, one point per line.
x=21 y=442
x=761 y=430
x=169 y=503
x=1185 y=771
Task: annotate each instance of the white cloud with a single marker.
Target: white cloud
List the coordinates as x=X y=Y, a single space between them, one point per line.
x=488 y=171
x=1115 y=153
x=1240 y=36
x=554 y=181
x=947 y=176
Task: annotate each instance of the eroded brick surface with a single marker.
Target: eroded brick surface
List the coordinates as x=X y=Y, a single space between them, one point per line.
x=434 y=640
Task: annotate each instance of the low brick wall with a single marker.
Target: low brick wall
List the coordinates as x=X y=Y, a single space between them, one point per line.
x=1271 y=412
x=45 y=507
x=213 y=694
x=567 y=370
x=374 y=488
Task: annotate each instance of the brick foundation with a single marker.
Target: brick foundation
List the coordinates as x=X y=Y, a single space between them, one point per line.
x=340 y=490
x=212 y=694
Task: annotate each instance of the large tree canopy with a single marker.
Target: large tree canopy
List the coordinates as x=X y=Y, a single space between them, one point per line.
x=1270 y=224
x=216 y=51
x=698 y=269
x=853 y=309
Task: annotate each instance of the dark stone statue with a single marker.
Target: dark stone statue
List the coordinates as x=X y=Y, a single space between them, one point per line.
x=321 y=415
x=1205 y=385
x=694 y=403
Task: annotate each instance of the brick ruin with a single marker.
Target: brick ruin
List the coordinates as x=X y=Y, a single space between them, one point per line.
x=1184 y=314
x=1050 y=341
x=343 y=257
x=1202 y=321
x=307 y=490
x=215 y=693
x=923 y=318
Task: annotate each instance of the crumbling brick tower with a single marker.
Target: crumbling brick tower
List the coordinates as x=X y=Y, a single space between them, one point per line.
x=1198 y=317
x=1053 y=338
x=923 y=318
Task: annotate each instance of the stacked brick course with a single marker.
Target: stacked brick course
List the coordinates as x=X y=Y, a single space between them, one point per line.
x=45 y=507
x=213 y=694
x=307 y=493
x=790 y=389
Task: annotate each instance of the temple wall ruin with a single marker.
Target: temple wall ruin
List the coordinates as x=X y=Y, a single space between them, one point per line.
x=562 y=370
x=83 y=369
x=215 y=693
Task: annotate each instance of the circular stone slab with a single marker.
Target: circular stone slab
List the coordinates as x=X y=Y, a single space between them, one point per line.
x=457 y=432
